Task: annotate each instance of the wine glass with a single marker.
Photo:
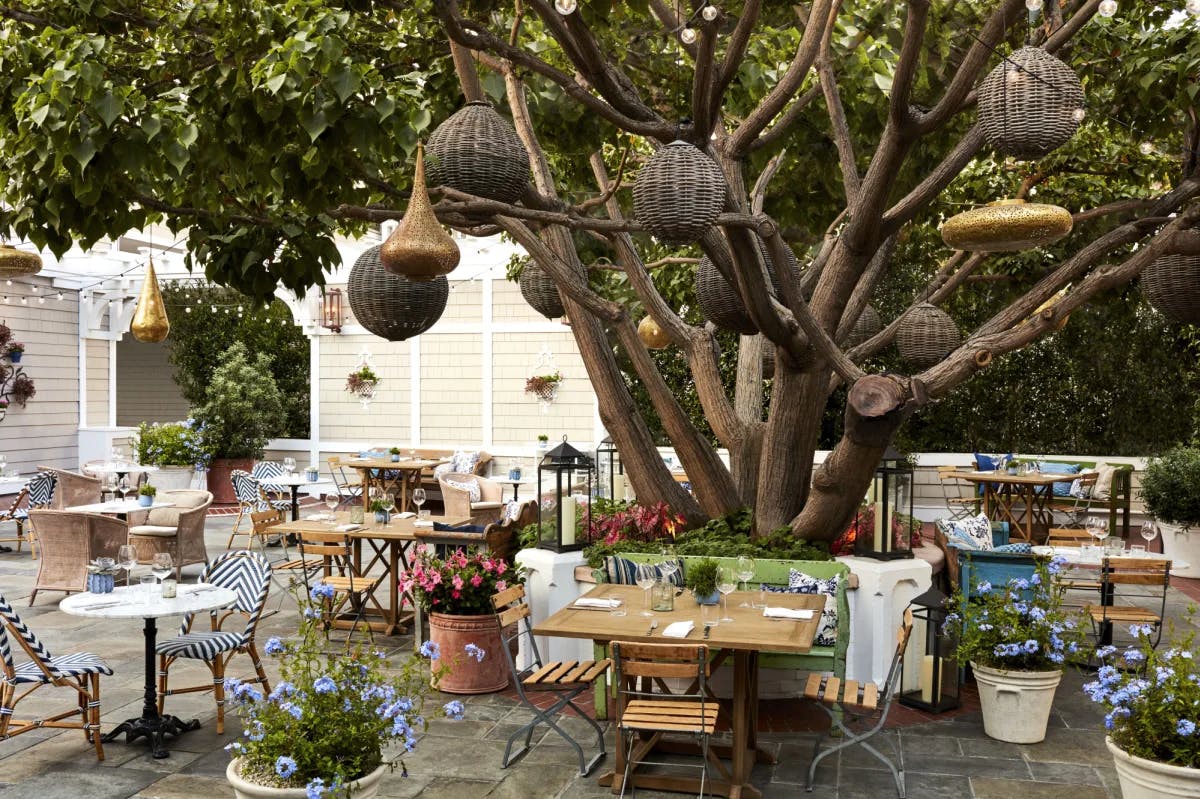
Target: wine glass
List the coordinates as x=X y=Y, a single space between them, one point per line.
x=669 y=564
x=332 y=500
x=110 y=485
x=160 y=567
x=745 y=571
x=127 y=557
x=418 y=499
x=289 y=466
x=124 y=487
x=389 y=505
x=726 y=584
x=1149 y=531
x=1098 y=529
x=646 y=576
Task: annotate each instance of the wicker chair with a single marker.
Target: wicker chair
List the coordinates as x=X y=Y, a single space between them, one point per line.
x=18 y=515
x=251 y=498
x=178 y=530
x=457 y=501
x=69 y=542
x=72 y=488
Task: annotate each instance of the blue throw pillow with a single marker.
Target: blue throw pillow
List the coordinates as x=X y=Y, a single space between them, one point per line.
x=984 y=463
x=1022 y=548
x=622 y=571
x=1062 y=489
x=826 y=634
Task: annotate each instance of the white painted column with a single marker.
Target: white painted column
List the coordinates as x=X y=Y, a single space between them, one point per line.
x=83 y=397
x=486 y=418
x=314 y=399
x=112 y=383
x=414 y=390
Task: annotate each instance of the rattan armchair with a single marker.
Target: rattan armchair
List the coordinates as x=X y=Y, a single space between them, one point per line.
x=68 y=543
x=178 y=530
x=458 y=504
x=72 y=488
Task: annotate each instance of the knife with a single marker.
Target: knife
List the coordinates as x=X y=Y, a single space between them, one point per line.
x=101 y=606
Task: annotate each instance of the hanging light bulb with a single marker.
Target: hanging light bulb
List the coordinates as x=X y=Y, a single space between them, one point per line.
x=60 y=296
x=710 y=12
x=1079 y=114
x=41 y=300
x=687 y=35
x=24 y=301
x=1033 y=5
x=1108 y=8
x=187 y=309
x=1192 y=7
x=1014 y=75
x=1145 y=148
x=565 y=7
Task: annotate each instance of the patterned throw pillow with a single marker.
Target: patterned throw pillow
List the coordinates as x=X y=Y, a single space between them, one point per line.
x=826 y=634
x=971 y=533
x=1062 y=489
x=470 y=486
x=442 y=468
x=622 y=571
x=1021 y=548
x=464 y=462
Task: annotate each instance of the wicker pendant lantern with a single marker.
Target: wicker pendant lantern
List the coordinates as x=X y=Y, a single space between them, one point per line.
x=865 y=327
x=150 y=323
x=419 y=248
x=722 y=305
x=477 y=151
x=927 y=335
x=652 y=335
x=1007 y=226
x=1030 y=104
x=392 y=306
x=679 y=193
x=18 y=263
x=1172 y=285
x=540 y=292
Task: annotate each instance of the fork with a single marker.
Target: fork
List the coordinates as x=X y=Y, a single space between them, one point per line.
x=653 y=627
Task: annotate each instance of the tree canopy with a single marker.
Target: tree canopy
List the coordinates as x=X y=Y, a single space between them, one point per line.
x=844 y=130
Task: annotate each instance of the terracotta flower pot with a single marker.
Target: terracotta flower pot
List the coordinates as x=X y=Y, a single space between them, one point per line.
x=363 y=788
x=466 y=675
x=220 y=478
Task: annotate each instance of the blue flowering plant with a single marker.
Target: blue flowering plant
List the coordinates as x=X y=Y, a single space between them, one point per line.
x=170 y=444
x=1022 y=626
x=1152 y=698
x=331 y=718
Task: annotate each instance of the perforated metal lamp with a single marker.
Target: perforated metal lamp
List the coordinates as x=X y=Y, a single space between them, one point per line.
x=610 y=472
x=890 y=493
x=929 y=680
x=564 y=482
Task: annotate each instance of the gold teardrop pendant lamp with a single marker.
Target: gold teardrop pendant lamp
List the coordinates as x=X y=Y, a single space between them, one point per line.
x=652 y=335
x=419 y=248
x=1007 y=226
x=150 y=323
x=18 y=263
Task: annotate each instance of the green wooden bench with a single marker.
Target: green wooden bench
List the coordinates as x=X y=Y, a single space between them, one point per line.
x=1120 y=495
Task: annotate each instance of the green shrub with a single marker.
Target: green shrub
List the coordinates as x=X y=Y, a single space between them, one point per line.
x=242 y=406
x=1171 y=487
x=147 y=490
x=171 y=444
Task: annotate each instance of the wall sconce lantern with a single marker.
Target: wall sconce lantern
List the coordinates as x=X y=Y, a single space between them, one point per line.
x=331 y=310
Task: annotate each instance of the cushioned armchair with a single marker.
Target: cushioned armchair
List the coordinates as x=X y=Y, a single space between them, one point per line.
x=178 y=530
x=481 y=504
x=68 y=543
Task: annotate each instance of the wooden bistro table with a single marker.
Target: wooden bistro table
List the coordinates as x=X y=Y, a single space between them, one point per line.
x=1002 y=492
x=386 y=549
x=745 y=638
x=373 y=471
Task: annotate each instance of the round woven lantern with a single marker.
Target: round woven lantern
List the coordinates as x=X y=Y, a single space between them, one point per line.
x=652 y=335
x=865 y=328
x=18 y=263
x=1030 y=104
x=927 y=335
x=392 y=306
x=679 y=193
x=539 y=291
x=721 y=304
x=477 y=151
x=1007 y=226
x=1172 y=285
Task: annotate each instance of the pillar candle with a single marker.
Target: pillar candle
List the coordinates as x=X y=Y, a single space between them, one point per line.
x=618 y=487
x=930 y=692
x=877 y=495
x=567 y=533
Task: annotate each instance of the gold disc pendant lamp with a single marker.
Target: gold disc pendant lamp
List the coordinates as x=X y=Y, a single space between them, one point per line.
x=150 y=323
x=1007 y=226
x=419 y=248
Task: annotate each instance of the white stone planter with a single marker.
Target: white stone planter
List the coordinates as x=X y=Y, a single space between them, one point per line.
x=1181 y=546
x=1016 y=704
x=1149 y=779
x=365 y=788
x=171 y=478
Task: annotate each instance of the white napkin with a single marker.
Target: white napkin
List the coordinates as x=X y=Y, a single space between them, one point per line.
x=596 y=602
x=787 y=613
x=678 y=629
x=427 y=524
x=347 y=528
x=406 y=515
x=319 y=517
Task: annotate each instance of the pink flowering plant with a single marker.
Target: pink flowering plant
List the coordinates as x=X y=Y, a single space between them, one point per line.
x=461 y=584
x=331 y=718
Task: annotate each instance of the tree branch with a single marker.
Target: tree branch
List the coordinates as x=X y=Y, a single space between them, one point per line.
x=735 y=51
x=938 y=179
x=851 y=180
x=906 y=66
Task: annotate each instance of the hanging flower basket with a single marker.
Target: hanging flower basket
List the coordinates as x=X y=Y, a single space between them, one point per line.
x=544 y=387
x=362 y=382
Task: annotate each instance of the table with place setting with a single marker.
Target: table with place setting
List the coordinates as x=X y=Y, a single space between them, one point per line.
x=293 y=482
x=119 y=508
x=144 y=602
x=408 y=471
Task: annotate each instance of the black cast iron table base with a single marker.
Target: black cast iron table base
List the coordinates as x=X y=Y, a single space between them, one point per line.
x=153 y=729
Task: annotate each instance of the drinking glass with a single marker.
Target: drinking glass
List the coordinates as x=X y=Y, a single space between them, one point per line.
x=389 y=505
x=289 y=466
x=127 y=557
x=147 y=581
x=669 y=564
x=160 y=567
x=110 y=485
x=1097 y=528
x=331 y=502
x=646 y=576
x=726 y=584
x=745 y=571
x=1149 y=531
x=124 y=487
x=418 y=499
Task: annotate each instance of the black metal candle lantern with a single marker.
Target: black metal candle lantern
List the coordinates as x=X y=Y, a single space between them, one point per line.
x=929 y=680
x=610 y=472
x=890 y=493
x=563 y=473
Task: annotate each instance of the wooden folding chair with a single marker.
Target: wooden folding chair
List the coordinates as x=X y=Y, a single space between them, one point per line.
x=349 y=487
x=251 y=498
x=1073 y=577
x=287 y=572
x=960 y=496
x=1143 y=581
x=851 y=701
x=335 y=550
x=644 y=715
x=567 y=679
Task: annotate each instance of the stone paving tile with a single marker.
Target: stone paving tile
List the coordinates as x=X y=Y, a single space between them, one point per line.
x=186 y=786
x=69 y=782
x=1065 y=772
x=994 y=788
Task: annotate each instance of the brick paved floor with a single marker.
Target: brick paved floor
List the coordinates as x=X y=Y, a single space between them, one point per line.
x=946 y=757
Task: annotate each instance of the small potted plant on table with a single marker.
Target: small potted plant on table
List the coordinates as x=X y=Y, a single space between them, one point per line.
x=395 y=453
x=382 y=516
x=146 y=495
x=702 y=581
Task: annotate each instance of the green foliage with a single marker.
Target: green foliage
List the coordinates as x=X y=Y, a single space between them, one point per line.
x=702 y=577
x=242 y=405
x=207 y=320
x=329 y=715
x=147 y=490
x=1171 y=486
x=171 y=444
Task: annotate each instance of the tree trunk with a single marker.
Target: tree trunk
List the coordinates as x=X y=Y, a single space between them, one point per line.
x=790 y=439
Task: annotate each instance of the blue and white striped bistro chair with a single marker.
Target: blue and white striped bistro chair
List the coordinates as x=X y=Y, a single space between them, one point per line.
x=264 y=472
x=19 y=516
x=41 y=495
x=249 y=574
x=79 y=671
x=251 y=498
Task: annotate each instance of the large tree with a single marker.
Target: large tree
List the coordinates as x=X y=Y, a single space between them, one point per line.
x=838 y=125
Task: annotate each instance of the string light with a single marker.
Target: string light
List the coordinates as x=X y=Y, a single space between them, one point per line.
x=1033 y=5
x=710 y=12
x=1108 y=8
x=1192 y=7
x=565 y=7
x=687 y=35
x=1145 y=148
x=1079 y=114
